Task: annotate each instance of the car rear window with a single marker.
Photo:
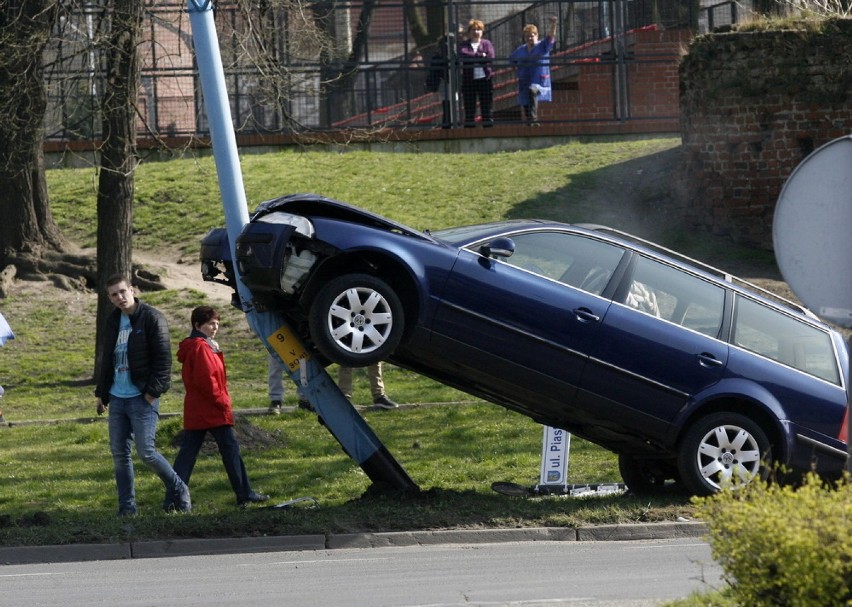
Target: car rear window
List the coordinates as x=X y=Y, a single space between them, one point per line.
x=790 y=341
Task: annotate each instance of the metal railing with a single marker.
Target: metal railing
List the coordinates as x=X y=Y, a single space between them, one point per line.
x=321 y=69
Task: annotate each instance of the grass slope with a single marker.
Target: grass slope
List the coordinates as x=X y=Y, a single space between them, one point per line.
x=57 y=484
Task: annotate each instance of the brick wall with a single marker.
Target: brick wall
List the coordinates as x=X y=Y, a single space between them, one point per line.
x=584 y=90
x=753 y=106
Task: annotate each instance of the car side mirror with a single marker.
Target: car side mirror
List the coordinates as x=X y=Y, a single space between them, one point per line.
x=499 y=247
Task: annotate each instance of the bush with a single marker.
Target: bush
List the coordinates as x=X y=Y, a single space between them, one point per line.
x=782 y=545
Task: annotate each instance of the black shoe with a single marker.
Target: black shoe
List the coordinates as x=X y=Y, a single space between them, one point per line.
x=383 y=402
x=178 y=499
x=275 y=407
x=305 y=404
x=253 y=498
x=169 y=501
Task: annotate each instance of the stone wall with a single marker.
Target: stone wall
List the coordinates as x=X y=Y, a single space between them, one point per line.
x=753 y=106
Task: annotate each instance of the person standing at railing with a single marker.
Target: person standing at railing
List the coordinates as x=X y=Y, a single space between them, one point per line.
x=476 y=55
x=437 y=80
x=532 y=61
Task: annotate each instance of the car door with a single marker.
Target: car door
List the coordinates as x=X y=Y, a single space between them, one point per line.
x=522 y=327
x=657 y=347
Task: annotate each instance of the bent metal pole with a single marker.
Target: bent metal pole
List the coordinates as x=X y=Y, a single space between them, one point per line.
x=337 y=413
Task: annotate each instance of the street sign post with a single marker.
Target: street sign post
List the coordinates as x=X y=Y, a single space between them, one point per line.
x=337 y=413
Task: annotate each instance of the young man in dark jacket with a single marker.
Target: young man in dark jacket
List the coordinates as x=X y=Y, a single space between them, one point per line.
x=136 y=371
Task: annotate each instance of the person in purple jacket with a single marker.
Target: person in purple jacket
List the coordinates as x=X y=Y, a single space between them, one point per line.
x=532 y=60
x=476 y=55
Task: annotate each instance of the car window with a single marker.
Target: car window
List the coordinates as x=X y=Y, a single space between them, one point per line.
x=573 y=259
x=771 y=333
x=677 y=296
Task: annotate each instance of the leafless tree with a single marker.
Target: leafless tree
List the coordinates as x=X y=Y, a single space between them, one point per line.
x=118 y=159
x=30 y=239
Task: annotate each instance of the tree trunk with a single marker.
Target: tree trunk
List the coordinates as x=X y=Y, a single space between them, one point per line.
x=339 y=66
x=118 y=156
x=428 y=33
x=28 y=229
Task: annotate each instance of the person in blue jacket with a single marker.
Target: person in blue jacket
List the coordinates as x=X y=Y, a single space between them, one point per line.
x=532 y=61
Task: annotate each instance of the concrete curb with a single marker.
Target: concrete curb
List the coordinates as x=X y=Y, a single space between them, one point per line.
x=21 y=555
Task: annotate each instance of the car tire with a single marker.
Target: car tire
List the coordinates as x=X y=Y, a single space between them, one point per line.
x=641 y=476
x=356 y=320
x=722 y=449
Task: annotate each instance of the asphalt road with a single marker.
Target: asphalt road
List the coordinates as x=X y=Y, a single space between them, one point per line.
x=639 y=573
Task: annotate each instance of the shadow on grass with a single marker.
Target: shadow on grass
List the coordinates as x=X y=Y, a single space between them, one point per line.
x=637 y=196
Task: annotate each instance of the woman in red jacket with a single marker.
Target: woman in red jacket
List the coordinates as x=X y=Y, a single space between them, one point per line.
x=207 y=405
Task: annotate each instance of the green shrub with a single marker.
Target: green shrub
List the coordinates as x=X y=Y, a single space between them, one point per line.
x=782 y=545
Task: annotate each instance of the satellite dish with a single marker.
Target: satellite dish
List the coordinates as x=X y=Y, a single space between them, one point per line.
x=812 y=231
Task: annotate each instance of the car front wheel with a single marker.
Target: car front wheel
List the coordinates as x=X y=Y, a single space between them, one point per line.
x=720 y=450
x=356 y=320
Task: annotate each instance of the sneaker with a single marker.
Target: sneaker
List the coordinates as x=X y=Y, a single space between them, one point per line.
x=275 y=407
x=253 y=498
x=383 y=402
x=180 y=500
x=305 y=404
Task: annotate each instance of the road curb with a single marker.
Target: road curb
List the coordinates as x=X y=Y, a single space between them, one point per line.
x=22 y=555
x=649 y=531
x=194 y=547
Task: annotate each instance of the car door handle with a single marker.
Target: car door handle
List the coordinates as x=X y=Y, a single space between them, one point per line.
x=708 y=360
x=586 y=315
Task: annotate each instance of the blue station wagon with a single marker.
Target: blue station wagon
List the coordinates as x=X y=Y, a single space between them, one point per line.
x=685 y=372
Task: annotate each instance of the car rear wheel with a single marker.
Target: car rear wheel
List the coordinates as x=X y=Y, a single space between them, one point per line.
x=642 y=476
x=722 y=449
x=356 y=320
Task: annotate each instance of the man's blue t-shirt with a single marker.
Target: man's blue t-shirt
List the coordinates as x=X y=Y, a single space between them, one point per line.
x=122 y=386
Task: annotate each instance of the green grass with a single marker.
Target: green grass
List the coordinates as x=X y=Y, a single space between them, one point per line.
x=178 y=199
x=57 y=484
x=63 y=473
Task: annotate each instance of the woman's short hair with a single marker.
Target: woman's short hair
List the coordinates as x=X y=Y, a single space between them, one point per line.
x=530 y=29
x=202 y=315
x=475 y=24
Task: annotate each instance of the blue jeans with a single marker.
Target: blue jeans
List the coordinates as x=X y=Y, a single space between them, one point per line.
x=229 y=449
x=133 y=419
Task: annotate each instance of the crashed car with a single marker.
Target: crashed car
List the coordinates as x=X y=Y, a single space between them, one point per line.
x=687 y=373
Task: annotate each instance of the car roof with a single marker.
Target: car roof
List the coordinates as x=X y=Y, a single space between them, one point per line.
x=736 y=283
x=471 y=234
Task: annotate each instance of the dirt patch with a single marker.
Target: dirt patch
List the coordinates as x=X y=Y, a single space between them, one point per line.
x=184 y=274
x=249 y=436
